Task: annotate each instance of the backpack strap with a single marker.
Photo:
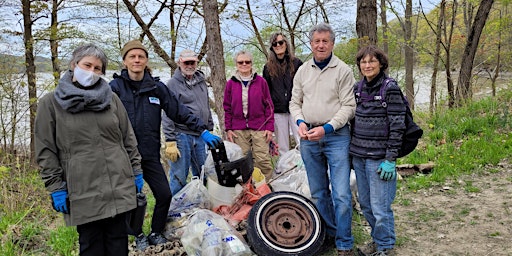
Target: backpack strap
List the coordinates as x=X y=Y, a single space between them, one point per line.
x=361 y=97
x=382 y=92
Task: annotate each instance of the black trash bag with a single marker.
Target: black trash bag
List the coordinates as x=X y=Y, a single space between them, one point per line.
x=136 y=216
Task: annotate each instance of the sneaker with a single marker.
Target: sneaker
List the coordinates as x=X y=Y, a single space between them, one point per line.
x=368 y=249
x=156 y=238
x=141 y=242
x=384 y=252
x=346 y=252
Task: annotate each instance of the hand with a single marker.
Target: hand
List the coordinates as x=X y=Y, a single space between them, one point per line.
x=59 y=201
x=171 y=151
x=210 y=139
x=139 y=182
x=268 y=136
x=315 y=134
x=387 y=170
x=303 y=130
x=231 y=136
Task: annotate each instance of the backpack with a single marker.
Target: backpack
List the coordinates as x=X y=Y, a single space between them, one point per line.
x=412 y=132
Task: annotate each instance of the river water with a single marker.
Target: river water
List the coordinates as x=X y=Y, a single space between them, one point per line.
x=422 y=78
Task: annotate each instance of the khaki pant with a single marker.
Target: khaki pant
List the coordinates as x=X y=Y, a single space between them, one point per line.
x=255 y=141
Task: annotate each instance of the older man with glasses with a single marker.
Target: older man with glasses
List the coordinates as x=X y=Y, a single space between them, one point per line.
x=184 y=147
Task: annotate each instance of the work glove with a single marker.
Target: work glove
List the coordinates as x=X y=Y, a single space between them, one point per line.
x=210 y=139
x=139 y=182
x=171 y=151
x=387 y=170
x=59 y=201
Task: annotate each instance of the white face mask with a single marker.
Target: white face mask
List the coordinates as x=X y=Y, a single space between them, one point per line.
x=84 y=77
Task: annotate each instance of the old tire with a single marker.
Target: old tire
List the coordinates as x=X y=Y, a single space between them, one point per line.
x=285 y=223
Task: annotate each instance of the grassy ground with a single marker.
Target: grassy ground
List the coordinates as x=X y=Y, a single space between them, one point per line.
x=459 y=142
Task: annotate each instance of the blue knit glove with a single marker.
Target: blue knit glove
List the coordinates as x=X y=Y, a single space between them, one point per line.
x=387 y=170
x=59 y=201
x=210 y=139
x=139 y=182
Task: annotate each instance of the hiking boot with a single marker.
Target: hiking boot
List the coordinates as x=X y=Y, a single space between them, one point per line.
x=156 y=238
x=368 y=249
x=141 y=242
x=346 y=252
x=384 y=252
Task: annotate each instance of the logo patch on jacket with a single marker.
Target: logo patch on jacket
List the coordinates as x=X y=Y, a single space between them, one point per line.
x=154 y=100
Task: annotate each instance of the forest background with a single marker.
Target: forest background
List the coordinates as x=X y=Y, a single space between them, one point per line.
x=458 y=48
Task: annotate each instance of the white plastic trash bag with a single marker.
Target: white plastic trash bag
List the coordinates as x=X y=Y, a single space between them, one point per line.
x=208 y=234
x=289 y=160
x=291 y=174
x=191 y=197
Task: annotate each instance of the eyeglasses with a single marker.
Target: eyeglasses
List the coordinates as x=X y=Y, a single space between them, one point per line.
x=189 y=63
x=246 y=62
x=280 y=42
x=371 y=62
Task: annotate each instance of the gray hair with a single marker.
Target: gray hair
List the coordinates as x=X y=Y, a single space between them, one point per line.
x=89 y=50
x=242 y=52
x=322 y=27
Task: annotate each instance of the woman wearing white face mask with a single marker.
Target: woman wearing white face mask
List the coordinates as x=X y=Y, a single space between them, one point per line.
x=87 y=153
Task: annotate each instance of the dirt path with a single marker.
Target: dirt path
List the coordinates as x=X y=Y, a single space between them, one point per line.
x=467 y=216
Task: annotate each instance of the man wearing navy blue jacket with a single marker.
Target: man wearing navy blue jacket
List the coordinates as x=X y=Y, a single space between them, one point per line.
x=144 y=98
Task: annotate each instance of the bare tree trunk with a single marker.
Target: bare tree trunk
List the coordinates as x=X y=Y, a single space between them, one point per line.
x=366 y=22
x=463 y=91
x=54 y=41
x=215 y=57
x=409 y=55
x=28 y=40
x=498 y=57
x=433 y=86
x=384 y=21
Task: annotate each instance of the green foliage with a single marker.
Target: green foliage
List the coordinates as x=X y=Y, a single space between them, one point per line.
x=464 y=140
x=64 y=241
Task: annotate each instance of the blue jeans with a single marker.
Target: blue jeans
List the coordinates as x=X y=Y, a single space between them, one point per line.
x=330 y=154
x=193 y=155
x=375 y=197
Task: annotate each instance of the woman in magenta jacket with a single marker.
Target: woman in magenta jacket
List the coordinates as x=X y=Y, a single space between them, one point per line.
x=249 y=112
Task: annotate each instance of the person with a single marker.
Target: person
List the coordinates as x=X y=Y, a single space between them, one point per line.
x=87 y=154
x=184 y=149
x=377 y=136
x=248 y=112
x=323 y=104
x=144 y=98
x=279 y=72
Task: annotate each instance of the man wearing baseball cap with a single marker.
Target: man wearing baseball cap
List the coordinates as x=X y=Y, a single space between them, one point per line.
x=144 y=98
x=184 y=148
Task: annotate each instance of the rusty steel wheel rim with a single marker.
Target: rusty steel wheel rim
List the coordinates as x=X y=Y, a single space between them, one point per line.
x=288 y=224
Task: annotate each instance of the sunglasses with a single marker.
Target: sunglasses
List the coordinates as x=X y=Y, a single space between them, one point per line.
x=246 y=62
x=274 y=44
x=189 y=63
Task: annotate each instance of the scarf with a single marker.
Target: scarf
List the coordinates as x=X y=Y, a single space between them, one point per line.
x=74 y=99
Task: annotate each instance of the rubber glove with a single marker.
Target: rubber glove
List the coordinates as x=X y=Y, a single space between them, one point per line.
x=139 y=182
x=59 y=201
x=387 y=170
x=171 y=151
x=210 y=139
